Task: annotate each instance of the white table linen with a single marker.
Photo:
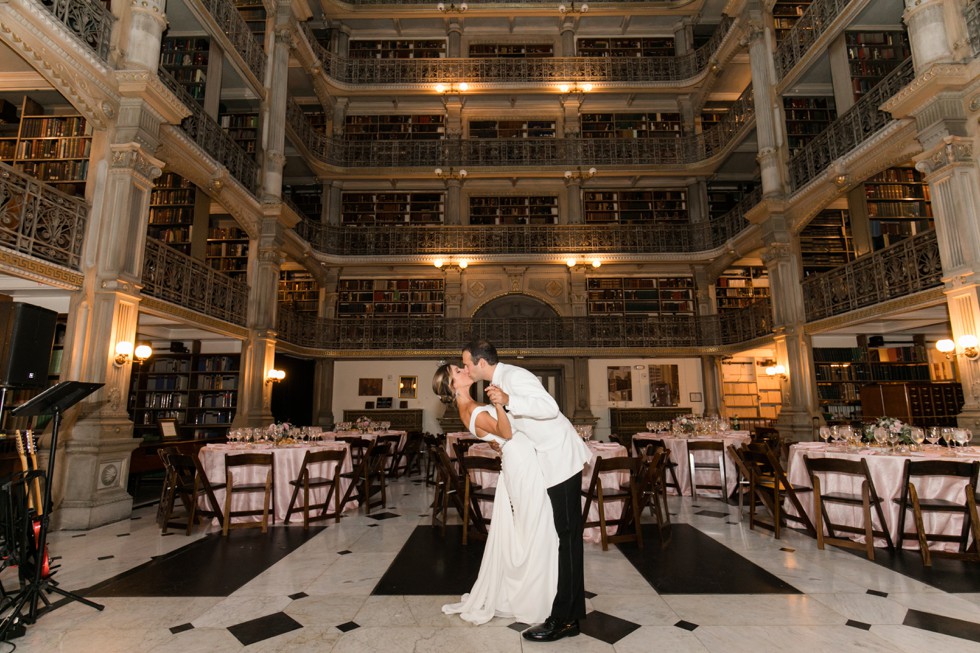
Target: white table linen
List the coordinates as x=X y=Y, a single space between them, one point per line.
x=677 y=445
x=887 y=471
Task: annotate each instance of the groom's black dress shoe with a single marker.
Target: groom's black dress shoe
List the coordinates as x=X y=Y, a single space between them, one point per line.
x=551 y=630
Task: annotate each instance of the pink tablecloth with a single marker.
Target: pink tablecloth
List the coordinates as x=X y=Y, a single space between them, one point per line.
x=679 y=455
x=887 y=471
x=287 y=461
x=612 y=479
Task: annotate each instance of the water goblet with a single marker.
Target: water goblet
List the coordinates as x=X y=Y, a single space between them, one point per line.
x=918 y=436
x=651 y=426
x=932 y=435
x=946 y=433
x=825 y=434
x=960 y=437
x=881 y=434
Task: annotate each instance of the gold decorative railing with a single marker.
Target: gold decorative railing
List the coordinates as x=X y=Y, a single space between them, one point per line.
x=230 y=21
x=89 y=20
x=40 y=221
x=538 y=334
x=805 y=32
x=215 y=141
x=907 y=267
x=850 y=129
x=554 y=70
x=189 y=283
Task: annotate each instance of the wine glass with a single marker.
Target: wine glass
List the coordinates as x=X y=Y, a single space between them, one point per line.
x=881 y=434
x=932 y=435
x=918 y=436
x=651 y=426
x=825 y=434
x=946 y=433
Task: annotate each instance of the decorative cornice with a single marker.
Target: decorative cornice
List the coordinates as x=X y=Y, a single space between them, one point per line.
x=774 y=252
x=21 y=265
x=953 y=150
x=132 y=156
x=173 y=310
x=147 y=86
x=924 y=87
x=930 y=297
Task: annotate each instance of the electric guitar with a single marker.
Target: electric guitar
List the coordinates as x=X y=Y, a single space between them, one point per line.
x=27 y=451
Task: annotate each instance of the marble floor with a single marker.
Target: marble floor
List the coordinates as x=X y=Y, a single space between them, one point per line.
x=321 y=591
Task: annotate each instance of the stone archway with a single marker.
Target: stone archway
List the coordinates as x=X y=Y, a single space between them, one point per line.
x=515 y=306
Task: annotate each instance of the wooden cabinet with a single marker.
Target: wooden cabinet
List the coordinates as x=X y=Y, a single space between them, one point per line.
x=625 y=422
x=392 y=208
x=171 y=217
x=898 y=205
x=227 y=246
x=199 y=391
x=397 y=48
x=509 y=209
x=387 y=128
x=635 y=206
x=807 y=117
x=619 y=46
x=512 y=128
x=919 y=404
x=872 y=55
x=748 y=392
x=650 y=295
x=826 y=243
x=53 y=148
x=405 y=419
x=631 y=125
x=740 y=286
x=511 y=50
x=186 y=58
x=299 y=291
x=360 y=297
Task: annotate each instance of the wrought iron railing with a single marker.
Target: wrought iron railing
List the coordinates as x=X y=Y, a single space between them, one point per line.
x=599 y=333
x=215 y=141
x=909 y=266
x=89 y=20
x=177 y=278
x=37 y=220
x=498 y=3
x=230 y=21
x=315 y=141
x=851 y=128
x=972 y=14
x=553 y=70
x=805 y=32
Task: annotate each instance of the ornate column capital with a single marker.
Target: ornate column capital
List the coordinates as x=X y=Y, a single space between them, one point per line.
x=774 y=252
x=953 y=151
x=131 y=156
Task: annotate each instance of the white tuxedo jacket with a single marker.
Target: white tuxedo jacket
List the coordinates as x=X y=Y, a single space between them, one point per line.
x=534 y=412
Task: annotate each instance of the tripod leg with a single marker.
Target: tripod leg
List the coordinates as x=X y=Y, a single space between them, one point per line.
x=74 y=597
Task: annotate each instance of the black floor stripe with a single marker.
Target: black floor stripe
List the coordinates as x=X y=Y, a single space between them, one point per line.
x=693 y=563
x=432 y=564
x=212 y=566
x=257 y=630
x=943 y=625
x=946 y=574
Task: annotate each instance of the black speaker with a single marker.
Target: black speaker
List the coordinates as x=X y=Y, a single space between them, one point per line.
x=26 y=337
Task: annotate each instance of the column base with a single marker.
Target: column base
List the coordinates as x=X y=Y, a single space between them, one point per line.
x=969 y=418
x=795 y=425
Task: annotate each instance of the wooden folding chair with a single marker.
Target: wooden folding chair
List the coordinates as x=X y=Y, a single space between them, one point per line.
x=919 y=476
x=694 y=465
x=769 y=486
x=448 y=488
x=204 y=488
x=409 y=458
x=325 y=461
x=167 y=493
x=239 y=464
x=180 y=468
x=628 y=494
x=474 y=493
x=669 y=463
x=653 y=489
x=820 y=469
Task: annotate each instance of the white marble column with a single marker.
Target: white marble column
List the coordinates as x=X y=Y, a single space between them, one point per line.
x=274 y=107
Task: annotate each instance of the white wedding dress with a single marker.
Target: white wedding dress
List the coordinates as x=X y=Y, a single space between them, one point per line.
x=519 y=571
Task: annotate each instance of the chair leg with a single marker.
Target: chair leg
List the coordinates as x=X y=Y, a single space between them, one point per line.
x=226 y=522
x=919 y=526
x=818 y=512
x=602 y=519
x=869 y=538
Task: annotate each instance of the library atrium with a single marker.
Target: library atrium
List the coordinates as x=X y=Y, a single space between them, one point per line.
x=231 y=214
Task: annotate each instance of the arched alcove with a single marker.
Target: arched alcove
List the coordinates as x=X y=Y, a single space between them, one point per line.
x=515 y=306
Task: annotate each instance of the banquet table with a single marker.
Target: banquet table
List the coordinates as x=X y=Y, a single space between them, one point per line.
x=677 y=445
x=611 y=479
x=287 y=461
x=887 y=472
x=369 y=435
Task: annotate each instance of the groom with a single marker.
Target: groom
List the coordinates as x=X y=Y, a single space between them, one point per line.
x=562 y=455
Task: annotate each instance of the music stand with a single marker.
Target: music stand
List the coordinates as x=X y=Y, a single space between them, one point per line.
x=54 y=400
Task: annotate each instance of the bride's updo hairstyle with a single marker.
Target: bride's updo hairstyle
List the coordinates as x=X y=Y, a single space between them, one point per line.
x=442 y=384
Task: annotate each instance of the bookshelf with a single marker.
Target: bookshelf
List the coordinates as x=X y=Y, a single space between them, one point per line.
x=227 y=246
x=508 y=209
x=411 y=127
x=647 y=295
x=512 y=128
x=392 y=208
x=723 y=196
x=807 y=117
x=397 y=49
x=826 y=243
x=742 y=398
x=898 y=204
x=510 y=50
x=186 y=58
x=785 y=13
x=625 y=47
x=739 y=286
x=253 y=11
x=159 y=390
x=243 y=129
x=360 y=297
x=53 y=148
x=308 y=198
x=872 y=55
x=631 y=125
x=635 y=206
x=213 y=394
x=299 y=290
x=171 y=217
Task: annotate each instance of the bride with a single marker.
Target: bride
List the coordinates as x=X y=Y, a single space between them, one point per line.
x=519 y=571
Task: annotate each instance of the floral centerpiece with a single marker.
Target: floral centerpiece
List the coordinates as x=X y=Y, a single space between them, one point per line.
x=362 y=424
x=684 y=424
x=896 y=427
x=279 y=433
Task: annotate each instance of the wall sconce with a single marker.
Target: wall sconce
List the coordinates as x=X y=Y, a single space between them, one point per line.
x=571 y=9
x=967 y=344
x=572 y=263
x=452 y=8
x=275 y=376
x=575 y=91
x=579 y=175
x=452 y=173
x=453 y=87
x=444 y=264
x=776 y=370
x=125 y=352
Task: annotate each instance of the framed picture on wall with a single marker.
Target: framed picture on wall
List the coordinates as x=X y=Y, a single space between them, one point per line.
x=369 y=387
x=384 y=402
x=407 y=387
x=695 y=396
x=620 y=383
x=168 y=427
